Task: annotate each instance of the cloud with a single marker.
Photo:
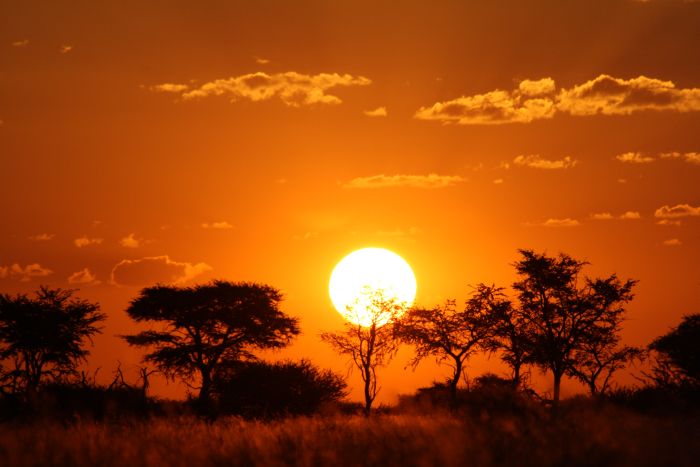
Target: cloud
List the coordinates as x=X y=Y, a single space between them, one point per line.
x=42 y=237
x=155 y=269
x=130 y=241
x=64 y=49
x=169 y=87
x=378 y=112
x=498 y=181
x=630 y=215
x=602 y=216
x=536 y=162
x=83 y=277
x=567 y=222
x=21 y=43
x=306 y=236
x=679 y=210
x=85 y=241
x=634 y=158
x=689 y=157
x=24 y=274
x=672 y=242
x=538 y=99
x=292 y=88
x=261 y=61
x=675 y=223
x=607 y=95
x=533 y=100
x=409 y=181
x=217 y=225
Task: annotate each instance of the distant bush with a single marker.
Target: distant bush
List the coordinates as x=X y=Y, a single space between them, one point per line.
x=265 y=390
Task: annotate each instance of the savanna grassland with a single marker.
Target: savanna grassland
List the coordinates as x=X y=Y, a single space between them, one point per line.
x=576 y=436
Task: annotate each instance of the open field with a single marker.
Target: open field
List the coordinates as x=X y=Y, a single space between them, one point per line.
x=577 y=437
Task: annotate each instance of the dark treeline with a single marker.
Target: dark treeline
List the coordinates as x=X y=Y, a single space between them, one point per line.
x=208 y=336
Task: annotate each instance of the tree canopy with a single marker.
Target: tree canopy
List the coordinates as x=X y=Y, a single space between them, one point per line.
x=208 y=326
x=44 y=336
x=680 y=349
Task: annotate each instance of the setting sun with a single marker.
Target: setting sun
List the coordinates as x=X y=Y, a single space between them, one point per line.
x=364 y=274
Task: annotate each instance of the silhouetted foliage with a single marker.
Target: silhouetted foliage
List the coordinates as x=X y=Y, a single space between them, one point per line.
x=261 y=389
x=448 y=334
x=43 y=337
x=205 y=327
x=369 y=347
x=565 y=318
x=678 y=360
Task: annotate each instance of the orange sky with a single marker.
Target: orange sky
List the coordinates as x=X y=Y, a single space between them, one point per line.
x=265 y=140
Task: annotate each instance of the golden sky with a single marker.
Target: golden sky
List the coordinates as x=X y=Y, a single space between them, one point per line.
x=264 y=140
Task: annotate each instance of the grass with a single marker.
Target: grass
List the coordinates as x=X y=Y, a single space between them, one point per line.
x=585 y=437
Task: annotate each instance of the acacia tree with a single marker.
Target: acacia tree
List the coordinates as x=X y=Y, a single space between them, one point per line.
x=509 y=336
x=44 y=336
x=448 y=334
x=205 y=327
x=678 y=354
x=372 y=346
x=563 y=316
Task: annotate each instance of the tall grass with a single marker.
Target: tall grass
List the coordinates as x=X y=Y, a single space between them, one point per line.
x=575 y=438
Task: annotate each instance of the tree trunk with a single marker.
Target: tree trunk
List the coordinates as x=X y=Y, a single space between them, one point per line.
x=205 y=391
x=516 y=375
x=557 y=388
x=368 y=391
x=454 y=382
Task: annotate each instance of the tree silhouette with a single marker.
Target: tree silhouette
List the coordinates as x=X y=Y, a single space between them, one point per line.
x=207 y=326
x=510 y=335
x=369 y=347
x=44 y=336
x=564 y=317
x=448 y=334
x=679 y=353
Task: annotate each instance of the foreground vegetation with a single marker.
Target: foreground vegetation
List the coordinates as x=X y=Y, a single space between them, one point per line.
x=576 y=436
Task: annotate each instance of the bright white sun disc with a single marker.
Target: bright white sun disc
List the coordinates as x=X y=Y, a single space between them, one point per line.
x=367 y=273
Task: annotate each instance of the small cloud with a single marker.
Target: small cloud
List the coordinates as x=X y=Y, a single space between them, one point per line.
x=560 y=223
x=408 y=181
x=261 y=61
x=169 y=87
x=679 y=210
x=629 y=215
x=498 y=181
x=217 y=225
x=634 y=158
x=155 y=269
x=621 y=180
x=689 y=157
x=306 y=236
x=24 y=274
x=85 y=241
x=83 y=277
x=292 y=88
x=672 y=242
x=378 y=112
x=602 y=216
x=64 y=49
x=536 y=162
x=21 y=43
x=669 y=222
x=42 y=237
x=130 y=241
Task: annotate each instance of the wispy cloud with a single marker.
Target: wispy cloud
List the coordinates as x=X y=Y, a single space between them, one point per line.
x=689 y=157
x=630 y=215
x=83 y=277
x=85 y=241
x=24 y=273
x=634 y=158
x=566 y=222
x=539 y=99
x=223 y=225
x=261 y=61
x=672 y=242
x=130 y=241
x=602 y=216
x=378 y=112
x=537 y=162
x=292 y=88
x=679 y=210
x=155 y=269
x=429 y=181
x=669 y=222
x=21 y=43
x=42 y=237
x=64 y=49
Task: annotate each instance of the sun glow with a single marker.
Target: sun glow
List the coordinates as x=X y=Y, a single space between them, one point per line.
x=366 y=275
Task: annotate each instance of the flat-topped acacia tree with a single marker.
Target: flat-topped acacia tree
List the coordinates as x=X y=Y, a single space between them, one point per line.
x=208 y=326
